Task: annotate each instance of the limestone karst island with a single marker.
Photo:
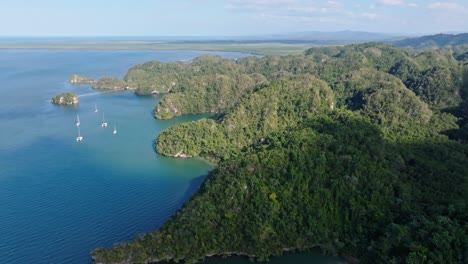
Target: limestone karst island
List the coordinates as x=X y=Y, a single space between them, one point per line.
x=65 y=99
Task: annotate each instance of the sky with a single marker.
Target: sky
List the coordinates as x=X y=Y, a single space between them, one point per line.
x=228 y=17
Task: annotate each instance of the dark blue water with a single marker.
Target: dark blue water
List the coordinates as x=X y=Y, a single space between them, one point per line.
x=59 y=199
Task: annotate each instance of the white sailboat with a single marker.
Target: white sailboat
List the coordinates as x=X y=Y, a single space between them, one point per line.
x=79 y=138
x=115 y=130
x=104 y=123
x=77 y=120
x=95 y=108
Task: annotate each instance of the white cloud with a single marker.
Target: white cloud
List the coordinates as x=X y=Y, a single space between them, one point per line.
x=392 y=2
x=303 y=19
x=308 y=10
x=338 y=14
x=268 y=5
x=400 y=3
x=284 y=8
x=446 y=5
x=256 y=5
x=334 y=4
x=261 y=2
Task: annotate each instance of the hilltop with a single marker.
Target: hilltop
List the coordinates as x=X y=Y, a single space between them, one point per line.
x=433 y=41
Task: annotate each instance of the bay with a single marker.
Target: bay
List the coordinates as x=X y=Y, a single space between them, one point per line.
x=59 y=199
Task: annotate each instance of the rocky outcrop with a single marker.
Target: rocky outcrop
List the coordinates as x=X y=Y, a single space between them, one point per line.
x=182 y=155
x=65 y=99
x=76 y=79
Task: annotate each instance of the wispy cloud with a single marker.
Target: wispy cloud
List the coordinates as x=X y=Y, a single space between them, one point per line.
x=257 y=5
x=304 y=19
x=334 y=4
x=261 y=2
x=399 y=3
x=268 y=5
x=299 y=10
x=458 y=12
x=383 y=15
x=392 y=2
x=446 y=6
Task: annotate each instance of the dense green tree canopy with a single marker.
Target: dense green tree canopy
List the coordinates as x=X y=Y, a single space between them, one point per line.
x=359 y=150
x=65 y=99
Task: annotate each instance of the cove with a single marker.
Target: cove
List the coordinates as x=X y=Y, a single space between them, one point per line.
x=59 y=199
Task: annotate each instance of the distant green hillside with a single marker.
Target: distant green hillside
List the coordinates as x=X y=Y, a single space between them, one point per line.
x=433 y=41
x=359 y=150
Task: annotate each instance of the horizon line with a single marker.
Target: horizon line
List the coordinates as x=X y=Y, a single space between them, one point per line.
x=284 y=34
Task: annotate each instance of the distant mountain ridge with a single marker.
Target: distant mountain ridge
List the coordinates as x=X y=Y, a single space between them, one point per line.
x=308 y=37
x=433 y=41
x=346 y=35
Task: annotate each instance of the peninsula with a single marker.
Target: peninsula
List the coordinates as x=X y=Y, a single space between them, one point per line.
x=359 y=150
x=76 y=79
x=110 y=83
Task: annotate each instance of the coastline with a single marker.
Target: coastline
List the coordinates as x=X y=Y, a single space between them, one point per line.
x=61 y=176
x=341 y=259
x=254 y=49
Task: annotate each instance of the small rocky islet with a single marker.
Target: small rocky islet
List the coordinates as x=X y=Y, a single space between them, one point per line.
x=77 y=79
x=65 y=99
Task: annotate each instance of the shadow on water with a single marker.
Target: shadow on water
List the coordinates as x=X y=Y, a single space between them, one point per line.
x=194 y=185
x=153 y=146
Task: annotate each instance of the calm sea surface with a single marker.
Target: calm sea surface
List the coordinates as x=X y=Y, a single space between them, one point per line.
x=59 y=199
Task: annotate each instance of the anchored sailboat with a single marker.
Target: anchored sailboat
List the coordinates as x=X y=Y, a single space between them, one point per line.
x=104 y=123
x=77 y=120
x=95 y=108
x=79 y=138
x=115 y=130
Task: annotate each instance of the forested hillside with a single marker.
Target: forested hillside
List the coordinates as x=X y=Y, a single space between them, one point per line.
x=433 y=41
x=359 y=150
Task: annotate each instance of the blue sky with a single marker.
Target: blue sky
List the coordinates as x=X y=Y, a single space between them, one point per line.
x=227 y=17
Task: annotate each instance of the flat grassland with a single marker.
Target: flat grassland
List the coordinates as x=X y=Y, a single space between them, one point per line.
x=260 y=48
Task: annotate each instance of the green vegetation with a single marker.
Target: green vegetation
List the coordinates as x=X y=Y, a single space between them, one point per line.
x=359 y=150
x=153 y=77
x=213 y=84
x=433 y=41
x=75 y=79
x=65 y=99
x=110 y=83
x=270 y=48
x=271 y=107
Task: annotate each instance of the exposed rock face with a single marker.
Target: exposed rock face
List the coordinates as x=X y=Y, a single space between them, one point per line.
x=65 y=99
x=182 y=155
x=75 y=79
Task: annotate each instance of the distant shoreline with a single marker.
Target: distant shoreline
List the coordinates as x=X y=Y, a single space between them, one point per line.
x=259 y=48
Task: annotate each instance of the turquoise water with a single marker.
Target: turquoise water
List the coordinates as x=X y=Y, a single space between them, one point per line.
x=59 y=199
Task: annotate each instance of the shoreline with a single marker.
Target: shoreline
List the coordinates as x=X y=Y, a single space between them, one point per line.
x=290 y=251
x=253 y=49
